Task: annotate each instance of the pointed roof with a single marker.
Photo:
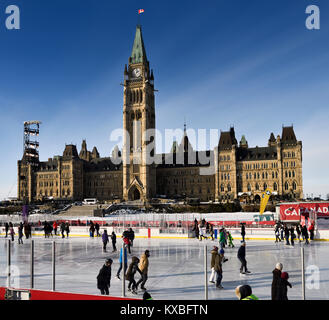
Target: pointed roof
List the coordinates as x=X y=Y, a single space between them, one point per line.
x=227 y=139
x=138 y=54
x=288 y=135
x=272 y=138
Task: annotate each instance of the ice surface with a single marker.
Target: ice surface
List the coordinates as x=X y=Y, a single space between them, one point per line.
x=176 y=267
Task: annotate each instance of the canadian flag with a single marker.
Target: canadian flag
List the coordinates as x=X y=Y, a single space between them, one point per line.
x=140 y=11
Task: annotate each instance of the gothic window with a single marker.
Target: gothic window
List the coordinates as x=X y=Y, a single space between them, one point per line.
x=250 y=175
x=276 y=174
x=275 y=186
x=265 y=186
x=222 y=188
x=249 y=187
x=141 y=95
x=289 y=174
x=229 y=188
x=293 y=174
x=266 y=175
x=286 y=186
x=294 y=185
x=257 y=187
x=258 y=175
x=273 y=175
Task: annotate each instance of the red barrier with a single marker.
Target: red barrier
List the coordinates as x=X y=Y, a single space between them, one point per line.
x=55 y=295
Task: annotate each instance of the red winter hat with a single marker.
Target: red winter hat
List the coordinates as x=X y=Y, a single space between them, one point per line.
x=285 y=275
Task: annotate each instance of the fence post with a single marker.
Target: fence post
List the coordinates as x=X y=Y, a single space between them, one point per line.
x=54 y=264
x=8 y=261
x=205 y=273
x=303 y=272
x=32 y=265
x=123 y=270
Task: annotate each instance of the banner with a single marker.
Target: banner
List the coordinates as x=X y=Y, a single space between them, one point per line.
x=264 y=200
x=293 y=211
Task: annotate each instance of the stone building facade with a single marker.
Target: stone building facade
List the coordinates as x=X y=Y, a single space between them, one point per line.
x=236 y=169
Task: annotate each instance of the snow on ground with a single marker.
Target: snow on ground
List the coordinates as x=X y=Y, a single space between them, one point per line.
x=176 y=267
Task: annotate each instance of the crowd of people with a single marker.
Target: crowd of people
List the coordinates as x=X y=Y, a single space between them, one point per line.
x=287 y=233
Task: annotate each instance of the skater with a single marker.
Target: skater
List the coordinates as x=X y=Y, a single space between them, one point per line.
x=120 y=261
x=67 y=229
x=104 y=277
x=127 y=243
x=196 y=228
x=277 y=233
x=283 y=286
x=281 y=232
x=214 y=253
x=55 y=227
x=276 y=281
x=230 y=239
x=222 y=239
x=243 y=231
x=97 y=229
x=143 y=267
x=286 y=234
x=114 y=241
x=311 y=230
x=242 y=258
x=91 y=229
x=6 y=229
x=211 y=232
x=305 y=234
x=11 y=231
x=130 y=275
x=298 y=232
x=20 y=233
x=26 y=230
x=292 y=235
x=245 y=293
x=131 y=236
x=218 y=269
x=105 y=239
x=45 y=229
x=63 y=229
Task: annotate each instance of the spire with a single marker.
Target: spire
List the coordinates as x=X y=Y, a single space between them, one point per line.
x=138 y=54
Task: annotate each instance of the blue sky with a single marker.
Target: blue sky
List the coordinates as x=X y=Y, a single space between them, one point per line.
x=251 y=64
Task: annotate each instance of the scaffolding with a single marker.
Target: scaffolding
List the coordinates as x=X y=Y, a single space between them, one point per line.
x=31 y=145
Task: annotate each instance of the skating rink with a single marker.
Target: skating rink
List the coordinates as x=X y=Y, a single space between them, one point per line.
x=176 y=267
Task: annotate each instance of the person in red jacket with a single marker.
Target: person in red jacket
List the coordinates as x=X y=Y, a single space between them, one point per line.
x=55 y=227
x=311 y=230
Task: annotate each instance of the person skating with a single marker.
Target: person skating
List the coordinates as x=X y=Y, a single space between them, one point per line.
x=63 y=229
x=282 y=232
x=211 y=232
x=218 y=269
x=305 y=233
x=243 y=231
x=104 y=277
x=214 y=253
x=130 y=275
x=105 y=239
x=91 y=229
x=277 y=233
x=222 y=239
x=292 y=235
x=6 y=229
x=97 y=230
x=311 y=230
x=20 y=233
x=283 y=286
x=244 y=292
x=11 y=231
x=55 y=227
x=230 y=239
x=120 y=262
x=143 y=267
x=114 y=241
x=131 y=236
x=126 y=241
x=298 y=232
x=242 y=258
x=67 y=229
x=275 y=288
x=286 y=234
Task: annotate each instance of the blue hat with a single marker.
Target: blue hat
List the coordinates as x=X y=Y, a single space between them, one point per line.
x=221 y=251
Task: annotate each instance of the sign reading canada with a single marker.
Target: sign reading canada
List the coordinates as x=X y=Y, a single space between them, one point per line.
x=293 y=211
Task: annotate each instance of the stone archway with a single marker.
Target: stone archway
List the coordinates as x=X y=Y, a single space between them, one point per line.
x=134 y=194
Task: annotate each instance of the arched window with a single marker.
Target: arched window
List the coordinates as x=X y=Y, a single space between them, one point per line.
x=293 y=174
x=276 y=175
x=265 y=186
x=286 y=186
x=257 y=187
x=294 y=186
x=222 y=188
x=289 y=174
x=249 y=187
x=275 y=186
x=229 y=189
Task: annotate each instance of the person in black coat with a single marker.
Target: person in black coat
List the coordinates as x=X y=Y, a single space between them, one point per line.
x=275 y=289
x=131 y=236
x=243 y=231
x=6 y=228
x=283 y=286
x=114 y=241
x=292 y=235
x=97 y=229
x=130 y=275
x=305 y=234
x=286 y=234
x=104 y=277
x=242 y=258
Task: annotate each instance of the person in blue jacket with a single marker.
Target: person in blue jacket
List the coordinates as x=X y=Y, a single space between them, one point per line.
x=120 y=261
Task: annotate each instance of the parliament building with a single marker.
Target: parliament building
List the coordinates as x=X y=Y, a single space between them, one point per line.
x=234 y=170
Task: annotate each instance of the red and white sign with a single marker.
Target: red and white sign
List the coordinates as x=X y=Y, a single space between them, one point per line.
x=294 y=211
x=140 y=11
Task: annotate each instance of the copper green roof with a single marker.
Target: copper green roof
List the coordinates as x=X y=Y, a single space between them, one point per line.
x=138 y=54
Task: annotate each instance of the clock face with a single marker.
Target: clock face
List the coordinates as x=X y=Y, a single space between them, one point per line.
x=137 y=73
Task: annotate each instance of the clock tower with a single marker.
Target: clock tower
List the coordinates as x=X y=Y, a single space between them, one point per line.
x=139 y=176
